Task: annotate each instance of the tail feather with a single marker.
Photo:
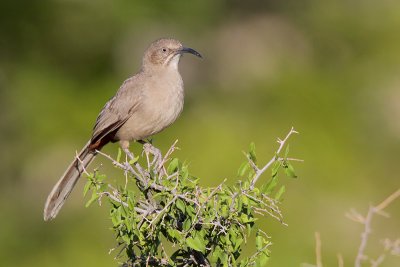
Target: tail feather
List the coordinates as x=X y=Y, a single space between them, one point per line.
x=64 y=186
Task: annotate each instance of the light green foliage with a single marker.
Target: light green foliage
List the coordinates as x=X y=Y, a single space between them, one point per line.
x=199 y=226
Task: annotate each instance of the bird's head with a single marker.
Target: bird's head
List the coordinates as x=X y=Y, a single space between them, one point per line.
x=166 y=53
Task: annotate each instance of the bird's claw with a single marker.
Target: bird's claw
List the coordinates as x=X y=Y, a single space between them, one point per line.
x=148 y=148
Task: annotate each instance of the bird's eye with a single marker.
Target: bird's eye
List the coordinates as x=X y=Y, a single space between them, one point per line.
x=164 y=49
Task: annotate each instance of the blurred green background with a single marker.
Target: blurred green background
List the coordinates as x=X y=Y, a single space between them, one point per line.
x=331 y=69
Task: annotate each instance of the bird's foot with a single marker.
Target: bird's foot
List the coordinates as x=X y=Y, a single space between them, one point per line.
x=128 y=153
x=148 y=148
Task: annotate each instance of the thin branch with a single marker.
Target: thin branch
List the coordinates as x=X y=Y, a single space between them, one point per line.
x=364 y=237
x=290 y=159
x=166 y=156
x=116 y=199
x=340 y=260
x=378 y=261
x=387 y=201
x=116 y=163
x=318 y=249
x=367 y=227
x=81 y=162
x=259 y=172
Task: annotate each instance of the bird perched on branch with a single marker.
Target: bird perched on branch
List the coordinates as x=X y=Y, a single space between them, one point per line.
x=144 y=105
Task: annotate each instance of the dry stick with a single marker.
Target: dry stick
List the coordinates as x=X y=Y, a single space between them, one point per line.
x=340 y=260
x=367 y=225
x=125 y=167
x=114 y=162
x=166 y=156
x=108 y=194
x=81 y=162
x=377 y=262
x=364 y=237
x=387 y=201
x=259 y=172
x=318 y=249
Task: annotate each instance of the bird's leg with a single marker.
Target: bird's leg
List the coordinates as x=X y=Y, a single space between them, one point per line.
x=149 y=148
x=125 y=147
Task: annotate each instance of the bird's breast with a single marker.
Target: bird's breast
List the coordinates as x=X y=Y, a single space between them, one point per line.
x=161 y=104
x=165 y=105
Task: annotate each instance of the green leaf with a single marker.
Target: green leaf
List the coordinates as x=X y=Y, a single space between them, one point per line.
x=259 y=242
x=186 y=225
x=180 y=205
x=286 y=152
x=196 y=243
x=126 y=239
x=173 y=166
x=270 y=186
x=123 y=211
x=224 y=211
x=134 y=160
x=103 y=187
x=262 y=259
x=243 y=168
x=222 y=240
x=244 y=199
x=190 y=212
x=92 y=199
x=233 y=235
x=275 y=168
x=249 y=227
x=280 y=192
x=252 y=152
x=87 y=187
x=128 y=224
x=114 y=220
x=216 y=254
x=119 y=154
x=100 y=177
x=246 y=219
x=244 y=262
x=173 y=233
x=239 y=241
x=289 y=170
x=131 y=200
x=184 y=172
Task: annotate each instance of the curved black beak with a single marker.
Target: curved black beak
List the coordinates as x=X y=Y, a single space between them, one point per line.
x=189 y=50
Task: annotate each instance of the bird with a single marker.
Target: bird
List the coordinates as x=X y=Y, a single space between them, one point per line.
x=145 y=104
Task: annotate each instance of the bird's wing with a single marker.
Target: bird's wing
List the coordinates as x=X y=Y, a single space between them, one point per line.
x=117 y=110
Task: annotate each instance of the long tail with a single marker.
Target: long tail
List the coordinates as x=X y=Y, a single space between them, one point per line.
x=64 y=186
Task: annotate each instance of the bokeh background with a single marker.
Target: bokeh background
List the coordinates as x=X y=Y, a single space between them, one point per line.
x=331 y=69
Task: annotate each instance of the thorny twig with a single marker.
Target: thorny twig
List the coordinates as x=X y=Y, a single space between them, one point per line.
x=259 y=172
x=390 y=247
x=366 y=221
